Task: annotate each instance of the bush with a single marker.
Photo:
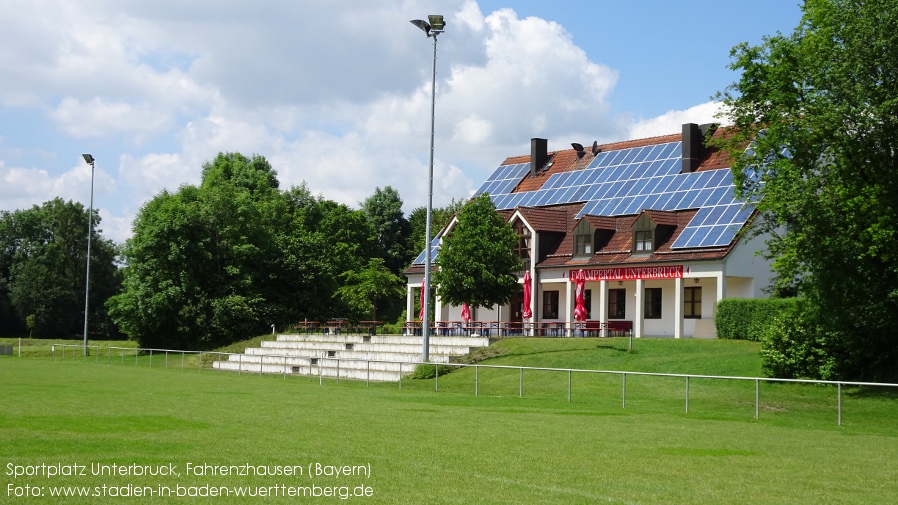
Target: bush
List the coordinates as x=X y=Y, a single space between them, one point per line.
x=748 y=318
x=793 y=346
x=429 y=371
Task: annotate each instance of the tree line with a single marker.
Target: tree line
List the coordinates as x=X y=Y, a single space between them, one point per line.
x=210 y=264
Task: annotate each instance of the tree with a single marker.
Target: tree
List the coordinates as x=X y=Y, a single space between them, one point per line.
x=222 y=261
x=391 y=229
x=477 y=262
x=821 y=108
x=202 y=262
x=42 y=270
x=363 y=289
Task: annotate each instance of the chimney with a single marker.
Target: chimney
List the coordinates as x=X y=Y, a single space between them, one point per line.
x=693 y=145
x=539 y=154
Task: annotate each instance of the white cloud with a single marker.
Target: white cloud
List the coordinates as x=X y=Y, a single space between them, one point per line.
x=672 y=121
x=99 y=118
x=336 y=93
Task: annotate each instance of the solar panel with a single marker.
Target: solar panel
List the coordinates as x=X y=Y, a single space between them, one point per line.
x=627 y=181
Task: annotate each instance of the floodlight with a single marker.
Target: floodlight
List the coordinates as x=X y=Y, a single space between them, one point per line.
x=436 y=23
x=422 y=25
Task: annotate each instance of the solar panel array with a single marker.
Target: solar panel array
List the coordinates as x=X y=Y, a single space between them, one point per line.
x=627 y=181
x=434 y=251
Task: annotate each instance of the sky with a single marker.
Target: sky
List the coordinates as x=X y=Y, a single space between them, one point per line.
x=336 y=94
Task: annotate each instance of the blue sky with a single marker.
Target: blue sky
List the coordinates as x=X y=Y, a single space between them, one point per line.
x=336 y=93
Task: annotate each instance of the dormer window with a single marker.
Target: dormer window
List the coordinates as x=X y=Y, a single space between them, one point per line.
x=644 y=234
x=583 y=239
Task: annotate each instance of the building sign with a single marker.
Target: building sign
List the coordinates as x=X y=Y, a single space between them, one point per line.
x=628 y=273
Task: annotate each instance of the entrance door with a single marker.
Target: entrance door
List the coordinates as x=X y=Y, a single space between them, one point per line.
x=517 y=308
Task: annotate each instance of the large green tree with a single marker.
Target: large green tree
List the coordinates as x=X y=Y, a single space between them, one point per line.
x=391 y=229
x=218 y=262
x=201 y=259
x=362 y=290
x=43 y=260
x=477 y=262
x=821 y=108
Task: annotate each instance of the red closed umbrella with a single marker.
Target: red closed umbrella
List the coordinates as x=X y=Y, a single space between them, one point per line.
x=526 y=313
x=580 y=297
x=465 y=313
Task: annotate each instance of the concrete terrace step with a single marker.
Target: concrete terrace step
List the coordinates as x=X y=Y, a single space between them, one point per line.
x=373 y=374
x=256 y=352
x=386 y=339
x=360 y=357
x=275 y=347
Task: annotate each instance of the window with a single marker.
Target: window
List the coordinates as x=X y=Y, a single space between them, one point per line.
x=584 y=245
x=643 y=234
x=583 y=236
x=523 y=242
x=587 y=301
x=652 y=303
x=550 y=305
x=692 y=302
x=617 y=303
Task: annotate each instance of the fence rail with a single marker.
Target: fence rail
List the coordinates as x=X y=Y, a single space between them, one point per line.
x=406 y=365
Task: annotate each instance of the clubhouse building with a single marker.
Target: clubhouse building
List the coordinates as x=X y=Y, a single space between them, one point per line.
x=652 y=226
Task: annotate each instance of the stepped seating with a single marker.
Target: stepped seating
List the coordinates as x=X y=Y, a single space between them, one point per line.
x=363 y=357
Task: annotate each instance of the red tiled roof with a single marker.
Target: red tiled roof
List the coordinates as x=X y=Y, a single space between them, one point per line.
x=560 y=218
x=601 y=222
x=662 y=217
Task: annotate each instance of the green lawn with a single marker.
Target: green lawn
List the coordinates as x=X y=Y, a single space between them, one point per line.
x=454 y=447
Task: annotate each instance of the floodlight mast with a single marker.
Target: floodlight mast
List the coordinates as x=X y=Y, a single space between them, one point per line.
x=90 y=231
x=435 y=26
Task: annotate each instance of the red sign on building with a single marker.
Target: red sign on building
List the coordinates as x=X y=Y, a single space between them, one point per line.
x=629 y=273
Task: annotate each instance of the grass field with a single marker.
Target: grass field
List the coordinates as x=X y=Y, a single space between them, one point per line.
x=451 y=446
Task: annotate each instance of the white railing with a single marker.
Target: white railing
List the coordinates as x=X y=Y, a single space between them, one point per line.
x=313 y=361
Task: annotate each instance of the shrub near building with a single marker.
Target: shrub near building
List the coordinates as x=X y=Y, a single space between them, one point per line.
x=748 y=318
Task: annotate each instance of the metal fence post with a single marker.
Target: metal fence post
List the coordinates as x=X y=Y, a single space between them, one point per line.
x=839 y=386
x=569 y=386
x=623 y=395
x=757 y=397
x=368 y=373
x=151 y=358
x=687 y=394
x=436 y=378
x=521 y=383
x=239 y=364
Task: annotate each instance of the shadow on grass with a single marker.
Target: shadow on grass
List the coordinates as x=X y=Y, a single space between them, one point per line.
x=884 y=392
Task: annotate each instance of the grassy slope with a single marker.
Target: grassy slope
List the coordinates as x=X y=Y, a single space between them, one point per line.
x=450 y=447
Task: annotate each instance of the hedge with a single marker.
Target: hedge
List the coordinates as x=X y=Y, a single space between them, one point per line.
x=747 y=318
